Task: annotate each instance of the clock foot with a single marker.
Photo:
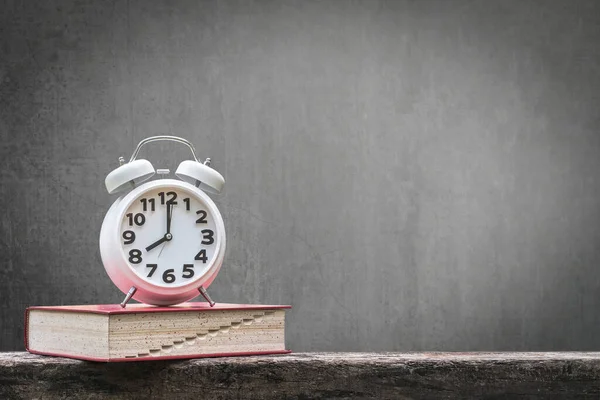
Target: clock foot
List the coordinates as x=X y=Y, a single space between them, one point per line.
x=204 y=294
x=128 y=296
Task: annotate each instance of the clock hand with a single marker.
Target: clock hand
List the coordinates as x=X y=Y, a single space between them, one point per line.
x=169 y=215
x=163 y=239
x=161 y=250
x=168 y=235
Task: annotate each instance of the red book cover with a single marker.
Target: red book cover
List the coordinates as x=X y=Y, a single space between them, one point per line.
x=135 y=308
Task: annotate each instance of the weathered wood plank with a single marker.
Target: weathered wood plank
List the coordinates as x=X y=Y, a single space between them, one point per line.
x=309 y=375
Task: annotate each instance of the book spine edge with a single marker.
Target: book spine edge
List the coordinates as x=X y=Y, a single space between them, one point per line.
x=26 y=330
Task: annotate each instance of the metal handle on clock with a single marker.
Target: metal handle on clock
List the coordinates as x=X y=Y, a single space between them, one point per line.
x=163 y=138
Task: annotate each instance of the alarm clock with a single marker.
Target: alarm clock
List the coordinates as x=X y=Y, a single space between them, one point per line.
x=162 y=242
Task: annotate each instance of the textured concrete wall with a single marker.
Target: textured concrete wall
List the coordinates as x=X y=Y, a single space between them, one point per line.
x=407 y=174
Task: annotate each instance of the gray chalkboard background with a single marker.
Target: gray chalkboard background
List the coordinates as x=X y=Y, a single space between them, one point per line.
x=409 y=175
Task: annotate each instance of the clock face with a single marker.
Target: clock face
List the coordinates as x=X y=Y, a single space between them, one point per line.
x=168 y=236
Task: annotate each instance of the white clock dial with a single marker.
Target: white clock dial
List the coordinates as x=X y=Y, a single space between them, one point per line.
x=168 y=256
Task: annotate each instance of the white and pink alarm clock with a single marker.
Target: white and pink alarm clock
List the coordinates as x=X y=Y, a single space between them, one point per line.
x=162 y=242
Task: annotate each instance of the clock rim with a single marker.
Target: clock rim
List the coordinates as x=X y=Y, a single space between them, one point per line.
x=122 y=274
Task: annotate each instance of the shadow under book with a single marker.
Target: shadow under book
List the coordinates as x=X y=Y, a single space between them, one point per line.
x=141 y=332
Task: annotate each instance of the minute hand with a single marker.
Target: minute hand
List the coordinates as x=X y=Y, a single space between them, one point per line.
x=169 y=215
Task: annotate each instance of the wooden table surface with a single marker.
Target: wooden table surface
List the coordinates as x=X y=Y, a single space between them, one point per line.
x=309 y=375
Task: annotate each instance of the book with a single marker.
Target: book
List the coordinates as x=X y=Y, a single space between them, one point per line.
x=140 y=332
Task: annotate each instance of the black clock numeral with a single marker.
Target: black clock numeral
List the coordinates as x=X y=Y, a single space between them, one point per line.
x=188 y=270
x=169 y=201
x=139 y=219
x=187 y=203
x=135 y=256
x=129 y=237
x=201 y=256
x=168 y=276
x=202 y=219
x=153 y=268
x=172 y=199
x=145 y=203
x=207 y=236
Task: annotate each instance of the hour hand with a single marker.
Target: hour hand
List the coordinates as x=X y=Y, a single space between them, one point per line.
x=165 y=238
